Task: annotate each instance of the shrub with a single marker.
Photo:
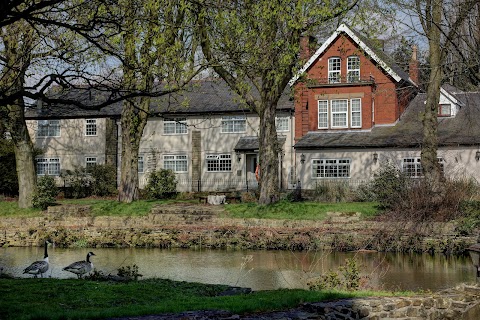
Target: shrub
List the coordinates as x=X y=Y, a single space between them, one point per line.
x=346 y=278
x=46 y=192
x=103 y=180
x=77 y=182
x=161 y=184
x=388 y=187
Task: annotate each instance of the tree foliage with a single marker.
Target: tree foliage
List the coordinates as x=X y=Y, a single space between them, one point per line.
x=254 y=47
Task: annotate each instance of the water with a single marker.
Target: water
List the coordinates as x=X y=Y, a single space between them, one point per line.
x=259 y=270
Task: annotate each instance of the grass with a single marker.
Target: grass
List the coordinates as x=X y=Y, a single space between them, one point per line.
x=86 y=299
x=10 y=209
x=280 y=210
x=299 y=210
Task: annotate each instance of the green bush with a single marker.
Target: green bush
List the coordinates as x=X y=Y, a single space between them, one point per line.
x=103 y=180
x=46 y=192
x=161 y=184
x=77 y=182
x=471 y=217
x=388 y=187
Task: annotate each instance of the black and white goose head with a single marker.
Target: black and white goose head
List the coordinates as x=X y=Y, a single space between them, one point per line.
x=41 y=266
x=81 y=267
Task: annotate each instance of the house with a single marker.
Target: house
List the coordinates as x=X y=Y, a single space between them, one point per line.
x=204 y=134
x=350 y=111
x=354 y=111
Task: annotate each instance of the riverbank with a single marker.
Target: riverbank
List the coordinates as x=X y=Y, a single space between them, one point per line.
x=186 y=225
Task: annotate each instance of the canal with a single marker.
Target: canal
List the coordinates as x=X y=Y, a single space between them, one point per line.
x=259 y=270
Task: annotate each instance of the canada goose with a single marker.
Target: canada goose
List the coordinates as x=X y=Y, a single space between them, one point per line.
x=39 y=267
x=81 y=267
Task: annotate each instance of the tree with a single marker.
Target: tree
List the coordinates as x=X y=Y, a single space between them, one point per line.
x=157 y=51
x=253 y=46
x=441 y=39
x=18 y=40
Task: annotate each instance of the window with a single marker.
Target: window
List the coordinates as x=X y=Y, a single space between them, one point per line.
x=221 y=162
x=175 y=126
x=353 y=69
x=412 y=167
x=335 y=113
x=140 y=164
x=445 y=110
x=48 y=128
x=282 y=123
x=339 y=113
x=322 y=114
x=90 y=162
x=331 y=168
x=356 y=113
x=334 y=70
x=175 y=163
x=90 y=127
x=48 y=166
x=233 y=124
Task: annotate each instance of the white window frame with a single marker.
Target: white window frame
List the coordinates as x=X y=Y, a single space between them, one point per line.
x=234 y=124
x=334 y=70
x=441 y=114
x=323 y=114
x=174 y=126
x=91 y=127
x=412 y=166
x=331 y=168
x=90 y=161
x=48 y=166
x=141 y=164
x=48 y=128
x=356 y=113
x=176 y=163
x=219 y=162
x=353 y=69
x=335 y=115
x=282 y=124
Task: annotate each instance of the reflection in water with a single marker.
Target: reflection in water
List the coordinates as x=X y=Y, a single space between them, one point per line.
x=259 y=270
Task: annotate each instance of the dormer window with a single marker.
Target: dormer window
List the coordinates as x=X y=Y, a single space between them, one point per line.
x=445 y=110
x=334 y=67
x=353 y=69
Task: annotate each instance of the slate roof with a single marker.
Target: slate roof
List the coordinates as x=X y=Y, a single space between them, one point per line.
x=250 y=143
x=201 y=97
x=463 y=129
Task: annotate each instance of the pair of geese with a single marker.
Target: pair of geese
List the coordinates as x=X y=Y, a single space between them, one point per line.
x=40 y=267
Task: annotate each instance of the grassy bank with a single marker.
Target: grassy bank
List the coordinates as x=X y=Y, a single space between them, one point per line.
x=87 y=299
x=281 y=210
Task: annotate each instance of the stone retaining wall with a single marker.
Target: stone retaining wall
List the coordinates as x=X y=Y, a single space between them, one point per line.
x=203 y=225
x=461 y=302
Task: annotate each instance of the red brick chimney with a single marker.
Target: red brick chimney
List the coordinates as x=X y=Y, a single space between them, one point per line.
x=306 y=42
x=414 y=66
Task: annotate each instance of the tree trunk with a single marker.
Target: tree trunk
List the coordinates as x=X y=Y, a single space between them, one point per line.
x=24 y=156
x=430 y=165
x=132 y=123
x=268 y=154
x=18 y=41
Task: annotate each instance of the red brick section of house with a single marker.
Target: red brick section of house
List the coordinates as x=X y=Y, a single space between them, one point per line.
x=383 y=99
